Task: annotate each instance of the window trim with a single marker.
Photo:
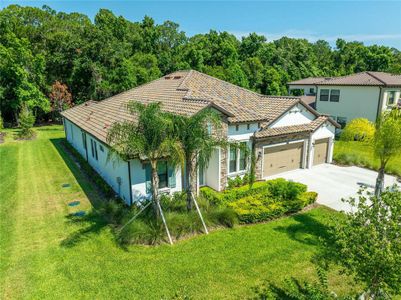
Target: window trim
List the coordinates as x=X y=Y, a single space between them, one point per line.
x=331 y=95
x=238 y=152
x=388 y=97
x=328 y=95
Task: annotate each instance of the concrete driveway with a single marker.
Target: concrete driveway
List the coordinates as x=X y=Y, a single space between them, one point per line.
x=334 y=182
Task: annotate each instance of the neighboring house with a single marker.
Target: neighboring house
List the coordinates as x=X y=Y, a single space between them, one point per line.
x=286 y=132
x=365 y=94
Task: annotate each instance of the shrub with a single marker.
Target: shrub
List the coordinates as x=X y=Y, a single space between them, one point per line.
x=26 y=120
x=359 y=129
x=285 y=190
x=113 y=211
x=253 y=210
x=141 y=232
x=223 y=216
x=1 y=123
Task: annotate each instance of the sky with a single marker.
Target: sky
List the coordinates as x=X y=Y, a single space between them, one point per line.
x=372 y=22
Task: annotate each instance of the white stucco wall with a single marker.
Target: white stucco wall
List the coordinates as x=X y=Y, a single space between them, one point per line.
x=138 y=180
x=355 y=102
x=243 y=133
x=297 y=115
x=108 y=170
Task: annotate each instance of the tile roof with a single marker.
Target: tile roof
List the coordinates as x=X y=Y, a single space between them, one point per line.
x=283 y=130
x=181 y=92
x=308 y=81
x=368 y=78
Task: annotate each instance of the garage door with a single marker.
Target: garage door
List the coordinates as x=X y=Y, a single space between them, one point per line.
x=320 y=151
x=282 y=158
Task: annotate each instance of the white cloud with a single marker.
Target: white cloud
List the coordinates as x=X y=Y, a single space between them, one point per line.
x=313 y=37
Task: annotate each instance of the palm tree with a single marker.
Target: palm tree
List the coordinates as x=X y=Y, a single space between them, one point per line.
x=148 y=138
x=386 y=143
x=198 y=142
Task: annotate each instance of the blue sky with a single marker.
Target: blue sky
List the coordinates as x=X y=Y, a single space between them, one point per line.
x=373 y=22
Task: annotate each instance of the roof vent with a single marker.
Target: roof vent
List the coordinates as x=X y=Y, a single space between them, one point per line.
x=167 y=77
x=177 y=77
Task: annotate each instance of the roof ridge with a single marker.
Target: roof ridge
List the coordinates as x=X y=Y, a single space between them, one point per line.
x=236 y=86
x=375 y=77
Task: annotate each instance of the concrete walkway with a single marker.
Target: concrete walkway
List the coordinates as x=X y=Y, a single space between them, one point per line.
x=334 y=182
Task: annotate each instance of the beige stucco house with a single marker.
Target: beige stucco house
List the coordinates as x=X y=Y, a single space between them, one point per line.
x=365 y=94
x=286 y=133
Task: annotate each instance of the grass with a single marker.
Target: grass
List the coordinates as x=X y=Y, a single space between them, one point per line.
x=47 y=254
x=360 y=154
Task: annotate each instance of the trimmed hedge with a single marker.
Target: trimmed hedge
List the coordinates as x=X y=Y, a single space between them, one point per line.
x=266 y=200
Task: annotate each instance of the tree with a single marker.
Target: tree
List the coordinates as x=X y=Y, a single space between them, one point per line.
x=367 y=242
x=386 y=142
x=148 y=138
x=60 y=98
x=26 y=120
x=198 y=143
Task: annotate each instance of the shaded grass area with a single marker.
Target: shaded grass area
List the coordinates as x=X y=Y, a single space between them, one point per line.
x=47 y=253
x=361 y=154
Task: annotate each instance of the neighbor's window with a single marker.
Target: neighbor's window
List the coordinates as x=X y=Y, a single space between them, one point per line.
x=233 y=160
x=391 y=98
x=311 y=91
x=334 y=95
x=236 y=127
x=324 y=95
x=248 y=126
x=163 y=174
x=342 y=121
x=242 y=157
x=101 y=148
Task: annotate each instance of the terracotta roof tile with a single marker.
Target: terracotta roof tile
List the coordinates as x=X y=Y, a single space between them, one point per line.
x=181 y=92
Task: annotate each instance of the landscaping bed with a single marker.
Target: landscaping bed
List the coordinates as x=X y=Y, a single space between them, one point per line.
x=361 y=154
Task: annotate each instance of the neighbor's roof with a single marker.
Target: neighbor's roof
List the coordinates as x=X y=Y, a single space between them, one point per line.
x=181 y=92
x=308 y=81
x=358 y=79
x=309 y=127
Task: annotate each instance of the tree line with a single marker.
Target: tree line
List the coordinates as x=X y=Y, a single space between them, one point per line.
x=45 y=53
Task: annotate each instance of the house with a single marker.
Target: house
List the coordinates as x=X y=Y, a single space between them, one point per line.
x=360 y=95
x=286 y=133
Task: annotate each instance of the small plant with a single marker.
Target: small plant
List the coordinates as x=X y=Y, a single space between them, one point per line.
x=224 y=216
x=26 y=120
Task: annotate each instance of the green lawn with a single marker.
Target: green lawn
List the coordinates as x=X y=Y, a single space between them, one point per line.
x=360 y=154
x=45 y=254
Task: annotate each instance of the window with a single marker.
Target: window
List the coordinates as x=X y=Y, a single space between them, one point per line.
x=248 y=126
x=162 y=171
x=259 y=125
x=311 y=91
x=94 y=149
x=83 y=140
x=342 y=121
x=236 y=127
x=101 y=148
x=324 y=95
x=72 y=132
x=391 y=98
x=334 y=95
x=233 y=160
x=238 y=158
x=242 y=157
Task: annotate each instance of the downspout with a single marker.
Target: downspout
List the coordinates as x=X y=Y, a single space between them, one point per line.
x=380 y=103
x=129 y=181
